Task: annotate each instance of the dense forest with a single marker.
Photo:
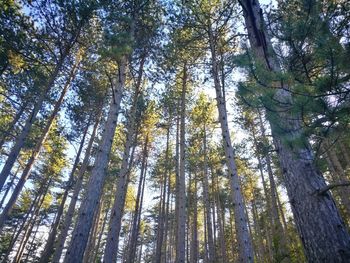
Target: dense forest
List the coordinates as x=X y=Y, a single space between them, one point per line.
x=211 y=131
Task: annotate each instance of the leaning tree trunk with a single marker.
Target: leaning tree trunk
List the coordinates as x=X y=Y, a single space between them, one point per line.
x=245 y=249
x=48 y=249
x=26 y=172
x=11 y=126
x=88 y=206
x=76 y=190
x=20 y=140
x=322 y=231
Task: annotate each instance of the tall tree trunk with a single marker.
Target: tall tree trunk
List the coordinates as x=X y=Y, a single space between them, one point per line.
x=258 y=233
x=34 y=155
x=49 y=246
x=279 y=245
x=20 y=140
x=111 y=249
x=94 y=188
x=93 y=233
x=104 y=223
x=345 y=153
x=165 y=246
x=27 y=218
x=211 y=250
x=338 y=175
x=319 y=224
x=138 y=205
x=31 y=244
x=269 y=224
x=195 y=223
x=243 y=237
x=59 y=244
x=9 y=186
x=221 y=215
x=181 y=194
x=161 y=220
x=31 y=222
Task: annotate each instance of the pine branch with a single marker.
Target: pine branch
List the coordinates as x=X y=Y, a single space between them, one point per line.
x=331 y=186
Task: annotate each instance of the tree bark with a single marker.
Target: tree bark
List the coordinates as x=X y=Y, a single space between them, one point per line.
x=111 y=249
x=181 y=194
x=138 y=206
x=34 y=155
x=318 y=222
x=94 y=188
x=49 y=246
x=20 y=140
x=245 y=249
x=59 y=244
x=161 y=220
x=211 y=250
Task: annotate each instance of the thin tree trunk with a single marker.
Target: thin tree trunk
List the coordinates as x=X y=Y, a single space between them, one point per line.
x=195 y=223
x=49 y=246
x=9 y=185
x=222 y=231
x=211 y=250
x=243 y=237
x=31 y=223
x=337 y=175
x=92 y=237
x=258 y=231
x=161 y=220
x=34 y=155
x=94 y=188
x=279 y=245
x=104 y=223
x=20 y=140
x=59 y=244
x=319 y=224
x=22 y=226
x=138 y=205
x=111 y=249
x=346 y=155
x=31 y=245
x=166 y=216
x=181 y=194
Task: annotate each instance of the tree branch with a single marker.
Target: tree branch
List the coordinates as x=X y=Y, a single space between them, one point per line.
x=322 y=191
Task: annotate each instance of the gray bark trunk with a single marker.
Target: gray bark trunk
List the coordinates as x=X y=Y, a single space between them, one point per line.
x=49 y=246
x=138 y=207
x=318 y=222
x=15 y=150
x=59 y=244
x=243 y=237
x=161 y=220
x=94 y=188
x=111 y=249
x=26 y=172
x=181 y=194
x=211 y=250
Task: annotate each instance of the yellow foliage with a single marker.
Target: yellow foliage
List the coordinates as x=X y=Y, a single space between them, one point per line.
x=17 y=62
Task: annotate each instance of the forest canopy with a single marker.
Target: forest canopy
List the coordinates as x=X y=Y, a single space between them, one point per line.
x=174 y=131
